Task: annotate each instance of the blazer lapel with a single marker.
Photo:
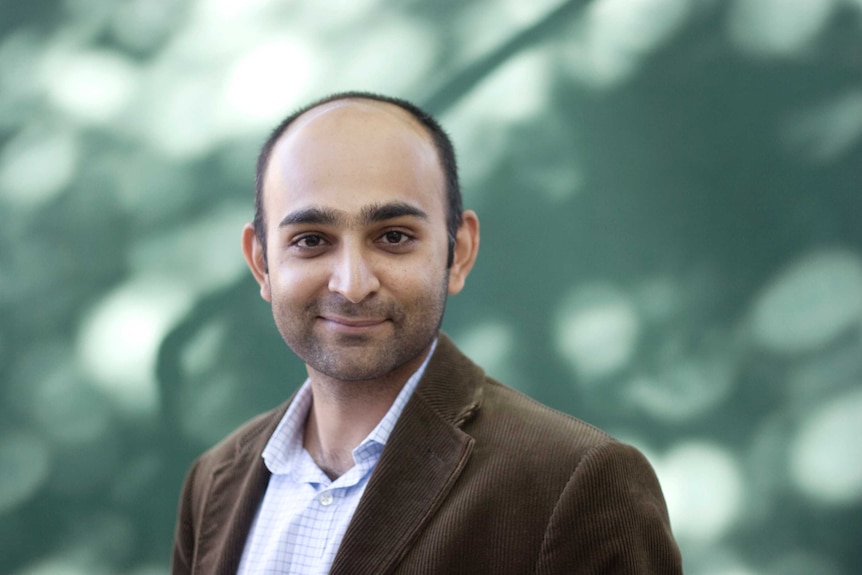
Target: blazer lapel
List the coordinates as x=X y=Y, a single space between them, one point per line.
x=231 y=504
x=421 y=461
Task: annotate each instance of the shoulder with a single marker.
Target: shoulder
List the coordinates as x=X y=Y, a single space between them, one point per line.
x=522 y=444
x=503 y=423
x=578 y=477
x=533 y=424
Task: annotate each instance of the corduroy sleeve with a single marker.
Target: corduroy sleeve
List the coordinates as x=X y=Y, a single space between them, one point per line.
x=610 y=519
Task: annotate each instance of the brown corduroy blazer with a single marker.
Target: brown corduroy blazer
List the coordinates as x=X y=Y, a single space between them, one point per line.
x=475 y=478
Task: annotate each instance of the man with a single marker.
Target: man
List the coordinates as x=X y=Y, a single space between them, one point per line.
x=398 y=454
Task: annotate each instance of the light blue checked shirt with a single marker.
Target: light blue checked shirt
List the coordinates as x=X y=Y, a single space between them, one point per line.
x=304 y=515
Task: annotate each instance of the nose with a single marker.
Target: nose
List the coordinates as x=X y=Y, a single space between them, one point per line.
x=353 y=274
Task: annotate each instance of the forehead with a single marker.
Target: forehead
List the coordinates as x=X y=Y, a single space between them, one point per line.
x=350 y=153
x=340 y=112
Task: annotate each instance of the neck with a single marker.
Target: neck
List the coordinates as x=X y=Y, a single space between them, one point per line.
x=343 y=413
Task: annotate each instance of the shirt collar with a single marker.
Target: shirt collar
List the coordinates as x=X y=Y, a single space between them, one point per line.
x=284 y=448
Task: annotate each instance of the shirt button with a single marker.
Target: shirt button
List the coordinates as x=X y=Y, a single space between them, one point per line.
x=326 y=499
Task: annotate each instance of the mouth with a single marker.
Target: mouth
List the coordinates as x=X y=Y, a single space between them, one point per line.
x=353 y=324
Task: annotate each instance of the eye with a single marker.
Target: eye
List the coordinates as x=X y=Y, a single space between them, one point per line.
x=395 y=237
x=396 y=241
x=308 y=242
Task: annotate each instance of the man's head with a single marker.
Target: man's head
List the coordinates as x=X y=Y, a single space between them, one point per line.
x=355 y=213
x=442 y=143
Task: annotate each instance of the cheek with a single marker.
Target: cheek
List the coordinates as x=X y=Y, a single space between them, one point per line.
x=296 y=282
x=416 y=283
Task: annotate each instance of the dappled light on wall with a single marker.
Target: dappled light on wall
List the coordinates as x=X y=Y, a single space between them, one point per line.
x=705 y=490
x=817 y=299
x=826 y=131
x=618 y=34
x=785 y=28
x=825 y=461
x=26 y=460
x=493 y=344
x=120 y=338
x=37 y=165
x=597 y=331
x=669 y=193
x=91 y=87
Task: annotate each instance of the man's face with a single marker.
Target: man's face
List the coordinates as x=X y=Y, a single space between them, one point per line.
x=357 y=242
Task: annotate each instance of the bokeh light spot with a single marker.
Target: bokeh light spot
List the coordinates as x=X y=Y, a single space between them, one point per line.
x=58 y=566
x=203 y=349
x=777 y=27
x=37 y=165
x=597 y=330
x=490 y=344
x=120 y=338
x=618 y=33
x=826 y=463
x=91 y=86
x=525 y=81
x=808 y=304
x=265 y=82
x=703 y=486
x=180 y=120
x=685 y=388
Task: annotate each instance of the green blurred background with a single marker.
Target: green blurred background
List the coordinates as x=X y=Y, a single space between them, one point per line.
x=671 y=202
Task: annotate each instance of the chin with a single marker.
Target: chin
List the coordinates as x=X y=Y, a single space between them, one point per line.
x=351 y=372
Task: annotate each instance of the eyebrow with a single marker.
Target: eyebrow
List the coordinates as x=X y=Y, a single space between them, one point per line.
x=382 y=212
x=370 y=214
x=322 y=216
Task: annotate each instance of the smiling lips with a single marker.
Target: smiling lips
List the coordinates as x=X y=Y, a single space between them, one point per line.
x=353 y=323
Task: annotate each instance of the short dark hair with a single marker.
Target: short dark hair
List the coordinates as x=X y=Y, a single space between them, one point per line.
x=442 y=143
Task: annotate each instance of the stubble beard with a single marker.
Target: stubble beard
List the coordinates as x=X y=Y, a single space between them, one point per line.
x=412 y=329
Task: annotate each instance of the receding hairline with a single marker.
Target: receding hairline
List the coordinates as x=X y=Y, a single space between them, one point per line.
x=390 y=109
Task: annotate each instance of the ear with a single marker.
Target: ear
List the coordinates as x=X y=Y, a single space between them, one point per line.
x=466 y=250
x=253 y=252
